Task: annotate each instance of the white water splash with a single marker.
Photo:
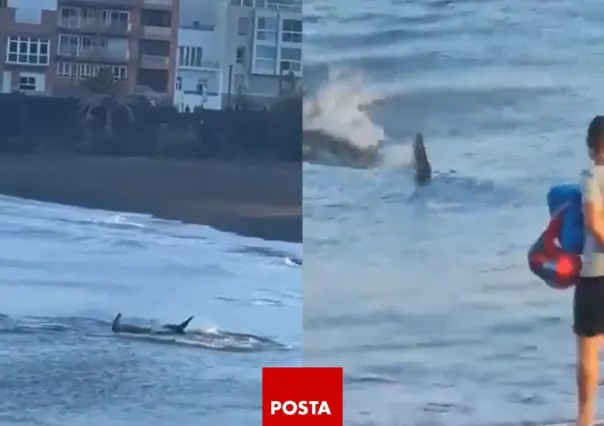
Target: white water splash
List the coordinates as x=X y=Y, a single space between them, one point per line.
x=340 y=108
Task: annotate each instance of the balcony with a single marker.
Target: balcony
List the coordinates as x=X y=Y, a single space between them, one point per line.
x=153 y=62
x=98 y=54
x=157 y=33
x=204 y=64
x=158 y=4
x=96 y=26
x=128 y=4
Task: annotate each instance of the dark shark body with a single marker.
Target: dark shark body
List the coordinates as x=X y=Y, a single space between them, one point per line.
x=323 y=148
x=167 y=329
x=423 y=170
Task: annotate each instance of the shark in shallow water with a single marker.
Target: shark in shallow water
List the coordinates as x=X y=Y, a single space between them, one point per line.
x=423 y=170
x=165 y=330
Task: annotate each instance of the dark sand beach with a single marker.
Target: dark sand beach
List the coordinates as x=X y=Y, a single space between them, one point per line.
x=253 y=199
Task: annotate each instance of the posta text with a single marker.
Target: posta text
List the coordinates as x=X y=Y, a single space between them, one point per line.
x=302 y=396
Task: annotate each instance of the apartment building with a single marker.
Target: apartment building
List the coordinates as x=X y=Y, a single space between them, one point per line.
x=135 y=39
x=259 y=42
x=201 y=39
x=265 y=43
x=53 y=45
x=27 y=35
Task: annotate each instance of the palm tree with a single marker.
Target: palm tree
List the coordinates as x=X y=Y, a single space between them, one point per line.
x=105 y=95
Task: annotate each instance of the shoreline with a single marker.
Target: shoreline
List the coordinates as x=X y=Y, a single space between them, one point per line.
x=261 y=200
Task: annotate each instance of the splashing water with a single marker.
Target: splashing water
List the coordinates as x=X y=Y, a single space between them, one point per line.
x=340 y=108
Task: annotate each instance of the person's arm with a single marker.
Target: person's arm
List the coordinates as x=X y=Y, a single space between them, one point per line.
x=593 y=208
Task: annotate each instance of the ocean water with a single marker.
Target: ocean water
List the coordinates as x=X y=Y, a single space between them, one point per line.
x=424 y=295
x=66 y=272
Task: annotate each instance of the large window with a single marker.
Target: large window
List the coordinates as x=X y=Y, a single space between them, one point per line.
x=72 y=45
x=292 y=31
x=267 y=29
x=69 y=45
x=116 y=17
x=69 y=17
x=27 y=51
x=27 y=83
x=291 y=59
x=190 y=56
x=75 y=17
x=266 y=58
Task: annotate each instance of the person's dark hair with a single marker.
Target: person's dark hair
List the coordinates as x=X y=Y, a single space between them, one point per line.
x=595 y=134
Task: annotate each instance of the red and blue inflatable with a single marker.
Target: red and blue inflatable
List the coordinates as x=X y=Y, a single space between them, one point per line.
x=556 y=255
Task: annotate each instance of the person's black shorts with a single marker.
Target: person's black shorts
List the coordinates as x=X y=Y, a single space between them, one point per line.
x=588 y=307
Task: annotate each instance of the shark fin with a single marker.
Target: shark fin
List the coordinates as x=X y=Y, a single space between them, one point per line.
x=115 y=326
x=180 y=328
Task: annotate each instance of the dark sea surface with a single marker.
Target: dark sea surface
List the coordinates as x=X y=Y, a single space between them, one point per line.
x=66 y=272
x=424 y=295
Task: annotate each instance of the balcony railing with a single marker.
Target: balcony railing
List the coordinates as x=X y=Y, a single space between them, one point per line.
x=94 y=54
x=205 y=63
x=95 y=25
x=154 y=62
x=121 y=3
x=157 y=32
x=158 y=3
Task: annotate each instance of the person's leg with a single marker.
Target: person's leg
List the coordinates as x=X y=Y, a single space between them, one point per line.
x=587 y=378
x=588 y=313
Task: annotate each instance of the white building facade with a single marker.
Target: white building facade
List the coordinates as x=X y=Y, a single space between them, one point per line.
x=201 y=40
x=199 y=77
x=249 y=47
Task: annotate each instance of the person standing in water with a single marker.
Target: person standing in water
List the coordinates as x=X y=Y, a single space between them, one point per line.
x=588 y=306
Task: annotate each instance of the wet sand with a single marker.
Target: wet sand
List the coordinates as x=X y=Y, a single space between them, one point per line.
x=261 y=200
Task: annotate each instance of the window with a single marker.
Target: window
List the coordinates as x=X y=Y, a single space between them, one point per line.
x=89 y=17
x=290 y=66
x=116 y=17
x=85 y=70
x=156 y=18
x=27 y=83
x=3 y=4
x=266 y=58
x=87 y=43
x=27 y=51
x=201 y=86
x=291 y=59
x=240 y=55
x=178 y=83
x=292 y=31
x=267 y=29
x=119 y=72
x=243 y=26
x=266 y=52
x=248 y=3
x=190 y=56
x=155 y=48
x=67 y=69
x=235 y=2
x=69 y=17
x=69 y=45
